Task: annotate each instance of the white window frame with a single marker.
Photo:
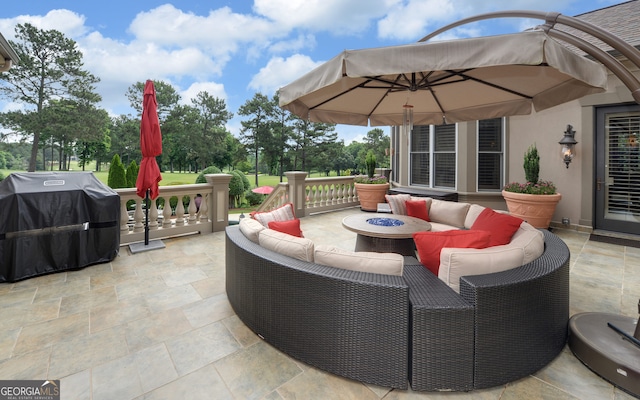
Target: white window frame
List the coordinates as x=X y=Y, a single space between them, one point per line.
x=503 y=163
x=431 y=152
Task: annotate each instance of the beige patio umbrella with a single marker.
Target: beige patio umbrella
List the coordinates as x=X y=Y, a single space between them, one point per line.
x=445 y=82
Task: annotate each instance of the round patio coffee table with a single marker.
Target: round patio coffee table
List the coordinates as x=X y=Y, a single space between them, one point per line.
x=385 y=233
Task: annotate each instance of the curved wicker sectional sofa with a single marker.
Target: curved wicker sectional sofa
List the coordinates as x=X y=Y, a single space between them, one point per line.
x=390 y=330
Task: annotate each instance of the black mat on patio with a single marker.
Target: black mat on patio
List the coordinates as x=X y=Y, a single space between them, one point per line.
x=622 y=241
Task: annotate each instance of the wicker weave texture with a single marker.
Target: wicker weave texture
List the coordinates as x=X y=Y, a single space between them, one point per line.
x=385 y=330
x=521 y=316
x=348 y=323
x=442 y=334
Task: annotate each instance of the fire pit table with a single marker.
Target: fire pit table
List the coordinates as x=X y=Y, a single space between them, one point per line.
x=384 y=233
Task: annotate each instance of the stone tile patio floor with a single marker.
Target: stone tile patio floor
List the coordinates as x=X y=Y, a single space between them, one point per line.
x=157 y=325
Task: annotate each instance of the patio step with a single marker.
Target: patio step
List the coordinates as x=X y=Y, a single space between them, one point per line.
x=622 y=239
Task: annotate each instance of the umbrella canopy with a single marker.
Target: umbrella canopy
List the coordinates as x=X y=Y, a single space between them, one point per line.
x=150 y=144
x=263 y=190
x=449 y=81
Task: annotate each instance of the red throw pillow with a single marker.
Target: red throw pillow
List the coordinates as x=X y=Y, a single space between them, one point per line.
x=502 y=226
x=418 y=209
x=429 y=244
x=290 y=227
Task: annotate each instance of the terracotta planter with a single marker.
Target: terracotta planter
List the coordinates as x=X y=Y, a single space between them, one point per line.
x=370 y=194
x=536 y=209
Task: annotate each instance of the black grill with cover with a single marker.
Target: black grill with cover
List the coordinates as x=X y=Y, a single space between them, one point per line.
x=56 y=221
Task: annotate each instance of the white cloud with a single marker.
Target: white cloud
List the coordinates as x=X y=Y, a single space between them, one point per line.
x=410 y=20
x=280 y=71
x=213 y=88
x=335 y=16
x=295 y=44
x=219 y=33
x=65 y=21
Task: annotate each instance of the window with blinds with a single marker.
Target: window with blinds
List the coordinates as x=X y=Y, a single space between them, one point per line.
x=622 y=196
x=420 y=155
x=444 y=152
x=490 y=154
x=433 y=156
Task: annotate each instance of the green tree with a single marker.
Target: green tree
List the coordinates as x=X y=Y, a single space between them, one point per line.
x=50 y=68
x=176 y=149
x=312 y=139
x=343 y=161
x=277 y=147
x=132 y=174
x=378 y=142
x=237 y=187
x=167 y=98
x=209 y=134
x=357 y=151
x=256 y=131
x=116 y=178
x=125 y=138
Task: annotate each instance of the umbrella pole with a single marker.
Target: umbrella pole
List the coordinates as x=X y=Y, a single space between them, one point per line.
x=146 y=219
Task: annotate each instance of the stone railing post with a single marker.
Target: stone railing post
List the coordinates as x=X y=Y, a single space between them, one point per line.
x=297 y=191
x=219 y=205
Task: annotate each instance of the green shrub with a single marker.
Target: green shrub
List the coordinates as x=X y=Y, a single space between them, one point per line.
x=237 y=187
x=117 y=176
x=531 y=164
x=209 y=170
x=132 y=173
x=370 y=162
x=253 y=199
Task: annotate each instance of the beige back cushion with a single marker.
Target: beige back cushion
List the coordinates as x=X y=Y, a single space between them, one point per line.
x=530 y=239
x=472 y=215
x=282 y=213
x=448 y=212
x=251 y=228
x=397 y=203
x=363 y=261
x=292 y=246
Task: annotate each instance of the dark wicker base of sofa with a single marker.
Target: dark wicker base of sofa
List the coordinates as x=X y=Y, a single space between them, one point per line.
x=352 y=324
x=386 y=330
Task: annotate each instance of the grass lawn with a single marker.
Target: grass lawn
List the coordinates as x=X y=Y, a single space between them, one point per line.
x=188 y=178
x=181 y=178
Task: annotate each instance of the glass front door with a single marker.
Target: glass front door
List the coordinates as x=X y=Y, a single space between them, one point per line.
x=618 y=169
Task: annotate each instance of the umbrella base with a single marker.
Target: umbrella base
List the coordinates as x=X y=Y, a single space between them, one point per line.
x=604 y=351
x=140 y=247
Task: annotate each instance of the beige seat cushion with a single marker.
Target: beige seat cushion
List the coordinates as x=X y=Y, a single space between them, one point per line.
x=292 y=246
x=251 y=228
x=363 y=261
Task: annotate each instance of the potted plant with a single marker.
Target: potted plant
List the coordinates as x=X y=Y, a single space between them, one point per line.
x=371 y=188
x=534 y=201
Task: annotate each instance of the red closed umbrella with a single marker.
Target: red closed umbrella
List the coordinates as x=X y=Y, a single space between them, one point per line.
x=151 y=146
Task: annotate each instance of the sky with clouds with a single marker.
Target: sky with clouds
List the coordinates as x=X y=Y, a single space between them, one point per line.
x=233 y=49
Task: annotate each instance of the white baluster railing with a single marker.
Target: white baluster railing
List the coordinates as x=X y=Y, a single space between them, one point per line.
x=168 y=221
x=312 y=195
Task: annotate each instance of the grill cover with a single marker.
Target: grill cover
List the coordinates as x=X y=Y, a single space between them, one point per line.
x=56 y=221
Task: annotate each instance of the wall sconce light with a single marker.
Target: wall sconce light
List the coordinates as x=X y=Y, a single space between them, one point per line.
x=568 y=145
